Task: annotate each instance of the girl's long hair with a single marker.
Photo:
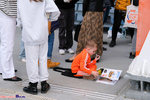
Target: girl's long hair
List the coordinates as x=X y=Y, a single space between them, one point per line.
x=37 y=0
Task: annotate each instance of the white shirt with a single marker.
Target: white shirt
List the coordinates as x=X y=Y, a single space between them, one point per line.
x=32 y=17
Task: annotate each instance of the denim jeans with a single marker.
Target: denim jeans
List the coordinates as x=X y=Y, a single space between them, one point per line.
x=105 y=14
x=50 y=45
x=22 y=50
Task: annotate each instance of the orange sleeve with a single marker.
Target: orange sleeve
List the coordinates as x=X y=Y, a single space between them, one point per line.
x=93 y=62
x=49 y=27
x=83 y=63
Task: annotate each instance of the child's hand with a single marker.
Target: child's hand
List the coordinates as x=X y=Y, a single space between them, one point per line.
x=97 y=57
x=95 y=73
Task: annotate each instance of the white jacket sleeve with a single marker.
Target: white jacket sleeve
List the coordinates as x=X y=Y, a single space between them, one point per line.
x=50 y=7
x=19 y=23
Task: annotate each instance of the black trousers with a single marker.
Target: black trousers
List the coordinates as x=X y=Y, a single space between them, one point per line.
x=66 y=20
x=118 y=17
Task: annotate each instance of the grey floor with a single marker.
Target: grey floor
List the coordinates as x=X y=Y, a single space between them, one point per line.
x=66 y=88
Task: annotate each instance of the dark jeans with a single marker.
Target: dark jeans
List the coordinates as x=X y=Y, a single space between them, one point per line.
x=66 y=20
x=105 y=14
x=118 y=17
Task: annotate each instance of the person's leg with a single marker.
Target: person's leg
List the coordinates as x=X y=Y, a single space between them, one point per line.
x=22 y=56
x=7 y=30
x=71 y=59
x=90 y=77
x=131 y=32
x=105 y=17
x=134 y=41
x=69 y=29
x=84 y=75
x=105 y=14
x=116 y=25
x=133 y=48
x=62 y=29
x=43 y=71
x=32 y=53
x=51 y=64
x=50 y=45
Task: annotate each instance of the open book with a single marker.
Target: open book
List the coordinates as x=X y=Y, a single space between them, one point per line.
x=108 y=76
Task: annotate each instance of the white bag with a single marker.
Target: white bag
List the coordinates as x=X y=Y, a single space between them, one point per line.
x=131 y=18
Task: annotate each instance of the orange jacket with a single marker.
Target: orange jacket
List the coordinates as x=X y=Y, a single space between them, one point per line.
x=81 y=62
x=122 y=4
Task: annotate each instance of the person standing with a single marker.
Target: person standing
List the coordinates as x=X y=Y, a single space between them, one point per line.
x=119 y=15
x=66 y=20
x=133 y=48
x=35 y=37
x=8 y=14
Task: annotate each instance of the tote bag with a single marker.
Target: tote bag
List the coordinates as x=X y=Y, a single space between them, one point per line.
x=131 y=18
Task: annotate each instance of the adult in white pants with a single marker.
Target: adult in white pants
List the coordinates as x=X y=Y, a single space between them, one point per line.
x=7 y=33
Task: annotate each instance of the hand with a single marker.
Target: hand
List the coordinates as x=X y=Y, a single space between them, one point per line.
x=104 y=9
x=97 y=57
x=95 y=73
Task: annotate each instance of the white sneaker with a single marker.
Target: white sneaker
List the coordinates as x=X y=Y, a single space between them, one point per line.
x=70 y=51
x=23 y=60
x=61 y=51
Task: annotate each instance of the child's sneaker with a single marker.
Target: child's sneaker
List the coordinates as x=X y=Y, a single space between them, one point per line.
x=91 y=77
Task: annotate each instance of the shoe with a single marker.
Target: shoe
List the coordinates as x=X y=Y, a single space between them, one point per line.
x=112 y=44
x=51 y=64
x=61 y=51
x=14 y=70
x=23 y=60
x=13 y=79
x=32 y=88
x=91 y=77
x=104 y=49
x=104 y=42
x=67 y=60
x=132 y=55
x=44 y=87
x=70 y=51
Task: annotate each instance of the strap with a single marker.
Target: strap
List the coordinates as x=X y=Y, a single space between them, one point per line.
x=132 y=2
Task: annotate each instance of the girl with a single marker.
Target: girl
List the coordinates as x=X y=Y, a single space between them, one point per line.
x=32 y=16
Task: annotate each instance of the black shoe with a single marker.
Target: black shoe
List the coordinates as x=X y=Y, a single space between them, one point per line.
x=44 y=87
x=13 y=79
x=32 y=88
x=131 y=56
x=104 y=42
x=67 y=60
x=15 y=71
x=112 y=44
x=104 y=49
